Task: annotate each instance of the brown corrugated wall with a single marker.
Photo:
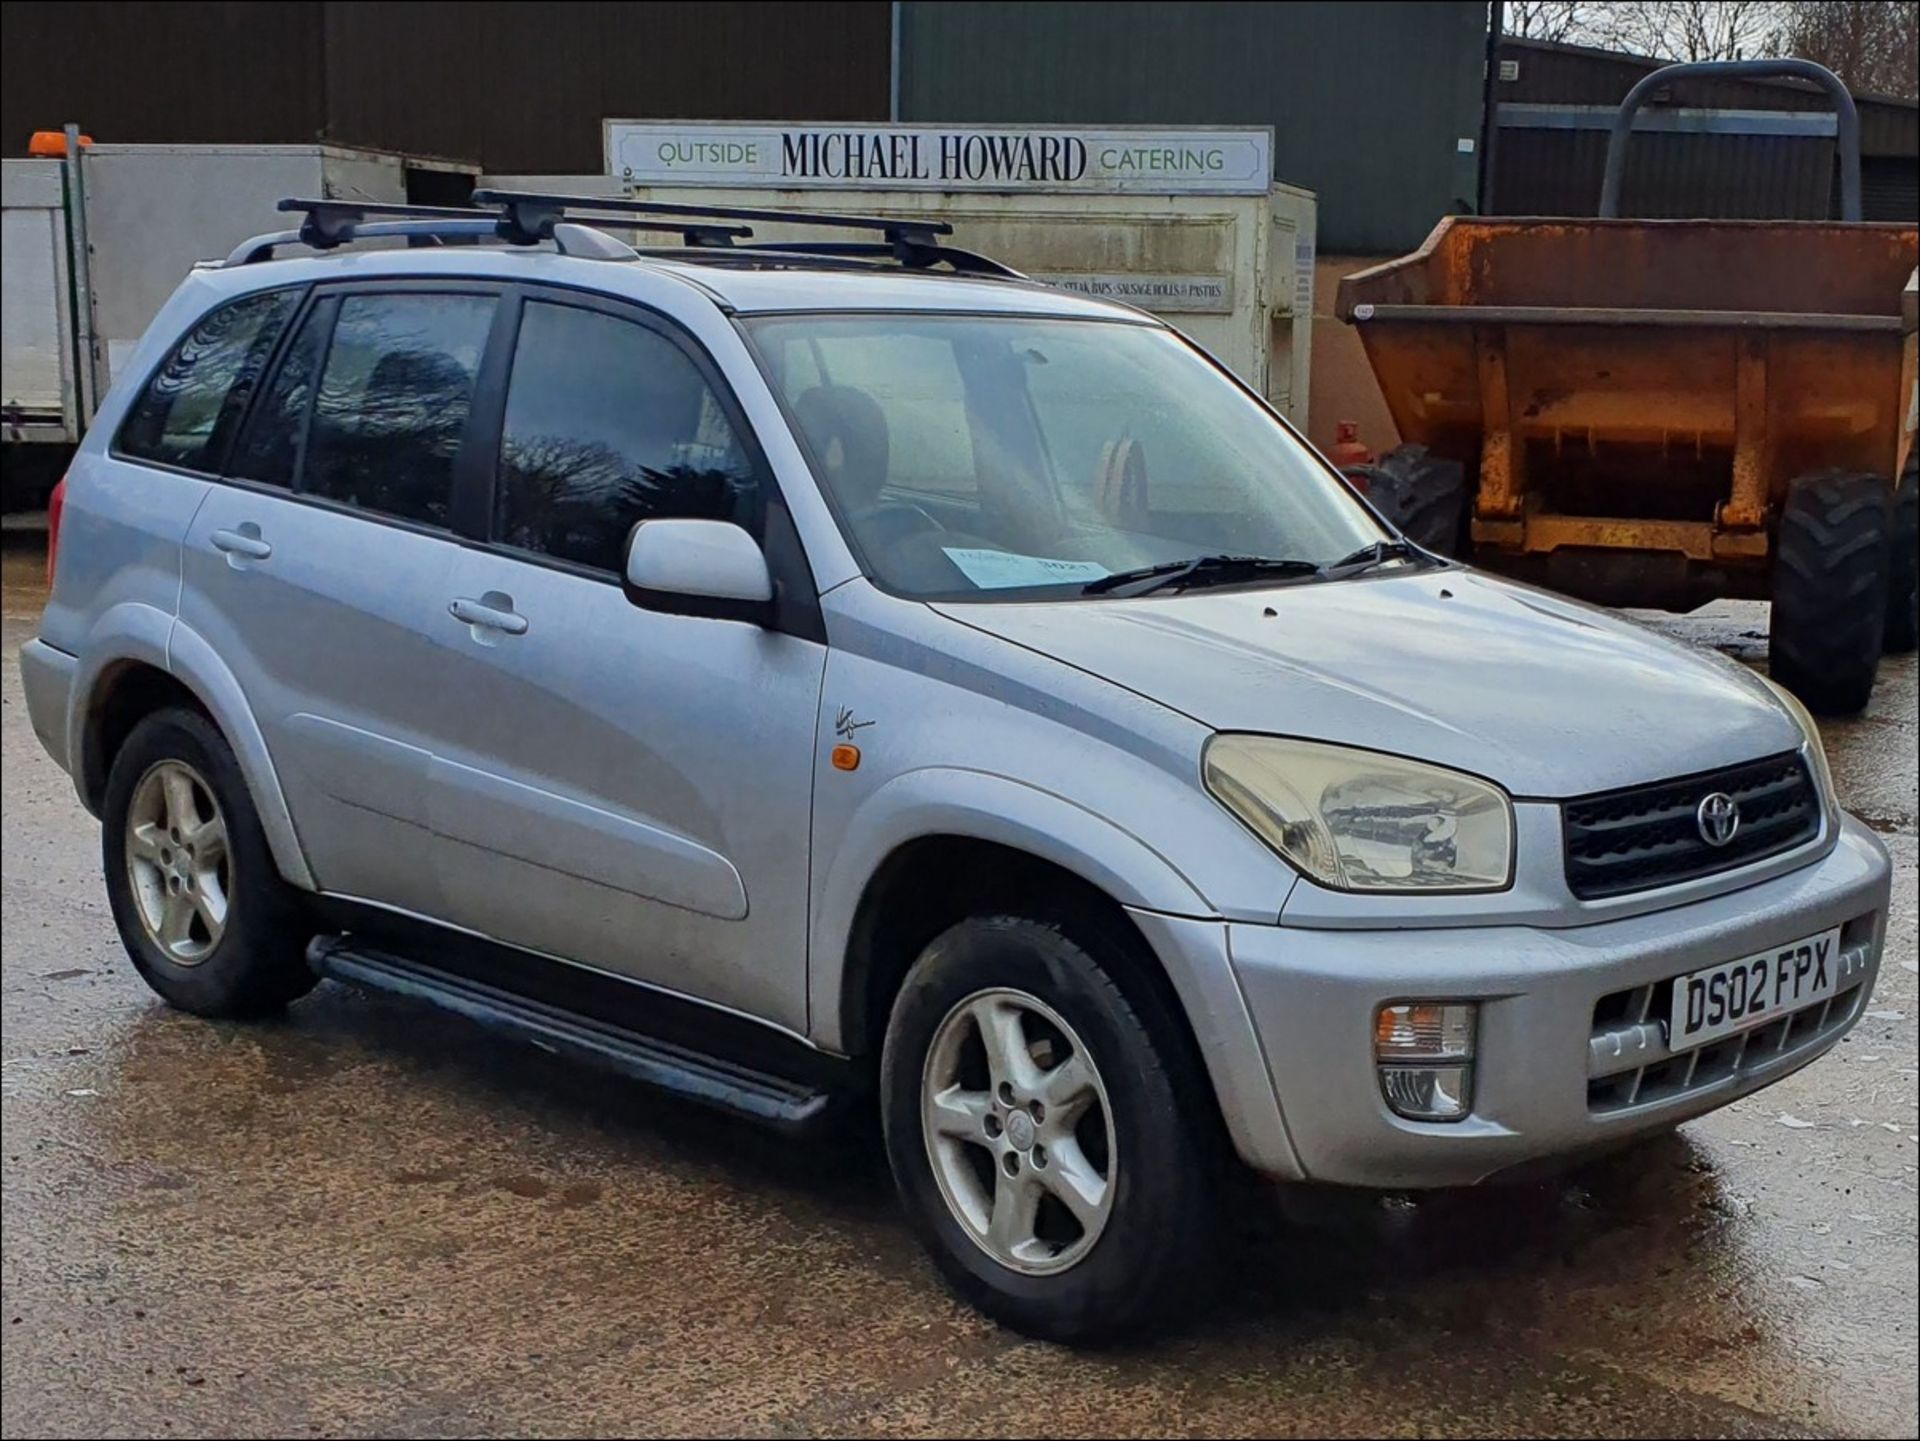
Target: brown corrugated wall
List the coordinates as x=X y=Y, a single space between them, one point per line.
x=525 y=87
x=195 y=73
x=513 y=86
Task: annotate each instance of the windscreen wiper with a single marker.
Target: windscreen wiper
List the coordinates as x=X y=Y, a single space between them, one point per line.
x=1201 y=570
x=1368 y=556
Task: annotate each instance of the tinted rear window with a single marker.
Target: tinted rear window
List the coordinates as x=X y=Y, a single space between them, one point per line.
x=269 y=449
x=391 y=410
x=200 y=391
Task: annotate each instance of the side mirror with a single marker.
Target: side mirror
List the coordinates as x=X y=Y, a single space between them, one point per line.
x=708 y=568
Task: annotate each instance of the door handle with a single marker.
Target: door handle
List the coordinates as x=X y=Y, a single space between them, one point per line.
x=245 y=542
x=493 y=612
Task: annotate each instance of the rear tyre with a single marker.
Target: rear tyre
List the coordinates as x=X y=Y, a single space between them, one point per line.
x=1424 y=495
x=195 y=894
x=1054 y=1156
x=1903 y=567
x=1830 y=589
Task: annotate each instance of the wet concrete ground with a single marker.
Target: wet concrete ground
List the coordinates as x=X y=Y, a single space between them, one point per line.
x=368 y=1218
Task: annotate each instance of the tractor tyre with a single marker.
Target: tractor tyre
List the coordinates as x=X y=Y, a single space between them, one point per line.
x=1423 y=495
x=1830 y=588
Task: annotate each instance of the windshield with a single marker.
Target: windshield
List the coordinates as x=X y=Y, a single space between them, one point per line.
x=1007 y=457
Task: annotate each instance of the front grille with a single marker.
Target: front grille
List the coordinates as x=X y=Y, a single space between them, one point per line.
x=1628 y=1063
x=1646 y=836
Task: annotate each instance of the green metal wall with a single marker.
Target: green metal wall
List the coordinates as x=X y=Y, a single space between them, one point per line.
x=1368 y=101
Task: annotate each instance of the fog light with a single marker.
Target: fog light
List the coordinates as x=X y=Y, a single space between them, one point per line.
x=1428 y=1093
x=1425 y=1051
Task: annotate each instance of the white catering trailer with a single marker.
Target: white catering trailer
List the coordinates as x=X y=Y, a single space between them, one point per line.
x=95 y=242
x=1187 y=224
x=39 y=391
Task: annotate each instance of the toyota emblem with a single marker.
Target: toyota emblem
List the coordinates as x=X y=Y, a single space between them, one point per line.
x=1718 y=818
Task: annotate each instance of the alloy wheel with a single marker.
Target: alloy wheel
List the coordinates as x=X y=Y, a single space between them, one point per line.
x=1019 y=1131
x=178 y=861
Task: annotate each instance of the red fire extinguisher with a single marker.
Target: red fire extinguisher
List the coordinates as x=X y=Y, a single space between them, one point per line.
x=1349 y=454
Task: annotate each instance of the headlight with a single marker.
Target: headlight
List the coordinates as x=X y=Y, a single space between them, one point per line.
x=1360 y=821
x=1822 y=776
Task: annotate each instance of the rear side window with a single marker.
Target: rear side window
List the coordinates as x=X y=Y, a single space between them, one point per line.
x=393 y=400
x=198 y=395
x=269 y=450
x=608 y=423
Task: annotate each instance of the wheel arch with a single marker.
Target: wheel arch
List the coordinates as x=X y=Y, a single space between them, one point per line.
x=926 y=884
x=120 y=687
x=991 y=819
x=929 y=883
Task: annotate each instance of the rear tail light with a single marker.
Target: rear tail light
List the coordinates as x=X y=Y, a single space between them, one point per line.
x=56 y=502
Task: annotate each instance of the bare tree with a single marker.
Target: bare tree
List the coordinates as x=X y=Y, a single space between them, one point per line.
x=1685 y=29
x=1556 y=20
x=1873 y=45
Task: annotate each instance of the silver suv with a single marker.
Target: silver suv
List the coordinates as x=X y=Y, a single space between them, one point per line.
x=794 y=675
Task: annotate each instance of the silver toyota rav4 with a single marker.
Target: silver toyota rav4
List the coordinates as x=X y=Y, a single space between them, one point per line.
x=793 y=676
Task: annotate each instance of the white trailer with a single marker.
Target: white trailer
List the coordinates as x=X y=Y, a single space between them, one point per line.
x=39 y=399
x=95 y=246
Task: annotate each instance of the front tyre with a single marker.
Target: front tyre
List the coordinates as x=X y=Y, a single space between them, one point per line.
x=1052 y=1155
x=199 y=904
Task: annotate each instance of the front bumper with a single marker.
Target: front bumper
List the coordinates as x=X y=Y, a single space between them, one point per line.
x=1313 y=995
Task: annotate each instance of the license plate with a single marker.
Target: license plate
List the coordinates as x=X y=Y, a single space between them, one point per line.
x=1739 y=995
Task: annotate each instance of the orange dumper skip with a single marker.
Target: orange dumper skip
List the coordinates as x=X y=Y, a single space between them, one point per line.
x=1662 y=413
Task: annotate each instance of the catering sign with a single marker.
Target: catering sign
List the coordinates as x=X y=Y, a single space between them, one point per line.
x=1085 y=160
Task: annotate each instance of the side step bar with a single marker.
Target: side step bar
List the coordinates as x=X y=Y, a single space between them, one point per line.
x=784 y=1105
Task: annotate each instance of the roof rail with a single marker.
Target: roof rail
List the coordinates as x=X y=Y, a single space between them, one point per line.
x=914 y=242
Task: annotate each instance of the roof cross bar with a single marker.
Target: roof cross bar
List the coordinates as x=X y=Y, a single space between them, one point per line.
x=534 y=216
x=540 y=223
x=898 y=230
x=912 y=255
x=334 y=222
x=261 y=247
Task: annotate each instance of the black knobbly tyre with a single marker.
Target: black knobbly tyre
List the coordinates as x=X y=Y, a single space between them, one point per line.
x=1903 y=563
x=199 y=905
x=1053 y=1150
x=1423 y=494
x=1830 y=589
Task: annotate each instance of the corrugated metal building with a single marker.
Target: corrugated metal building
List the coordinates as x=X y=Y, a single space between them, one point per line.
x=513 y=87
x=1369 y=102
x=1755 y=148
x=1376 y=105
